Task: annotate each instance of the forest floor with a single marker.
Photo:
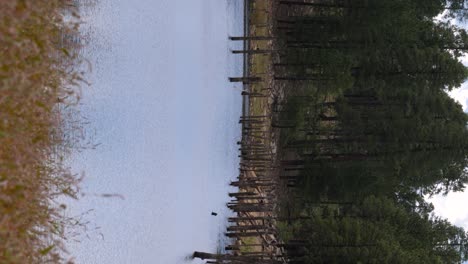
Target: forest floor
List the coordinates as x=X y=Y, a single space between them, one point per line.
x=260 y=23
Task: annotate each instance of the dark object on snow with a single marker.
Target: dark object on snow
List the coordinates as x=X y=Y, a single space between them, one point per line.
x=214 y=214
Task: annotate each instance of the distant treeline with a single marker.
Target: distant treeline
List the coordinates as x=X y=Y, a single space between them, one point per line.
x=368 y=129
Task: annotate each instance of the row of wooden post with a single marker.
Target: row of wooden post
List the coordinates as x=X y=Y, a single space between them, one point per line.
x=254 y=201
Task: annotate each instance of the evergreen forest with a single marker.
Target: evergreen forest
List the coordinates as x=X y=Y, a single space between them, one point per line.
x=369 y=131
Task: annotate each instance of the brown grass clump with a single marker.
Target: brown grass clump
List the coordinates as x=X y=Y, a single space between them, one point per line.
x=38 y=77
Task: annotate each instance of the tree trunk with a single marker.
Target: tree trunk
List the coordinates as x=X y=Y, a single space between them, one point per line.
x=252 y=38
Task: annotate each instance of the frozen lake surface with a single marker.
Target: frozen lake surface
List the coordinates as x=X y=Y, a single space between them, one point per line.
x=166 y=119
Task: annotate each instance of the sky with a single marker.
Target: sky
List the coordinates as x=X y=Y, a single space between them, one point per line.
x=454 y=205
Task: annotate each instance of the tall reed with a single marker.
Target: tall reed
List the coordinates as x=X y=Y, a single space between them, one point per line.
x=39 y=77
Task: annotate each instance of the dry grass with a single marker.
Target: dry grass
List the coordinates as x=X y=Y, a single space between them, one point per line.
x=260 y=64
x=37 y=78
x=246 y=243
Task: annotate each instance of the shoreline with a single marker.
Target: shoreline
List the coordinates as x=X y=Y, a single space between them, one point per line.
x=245 y=68
x=258 y=22
x=252 y=230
